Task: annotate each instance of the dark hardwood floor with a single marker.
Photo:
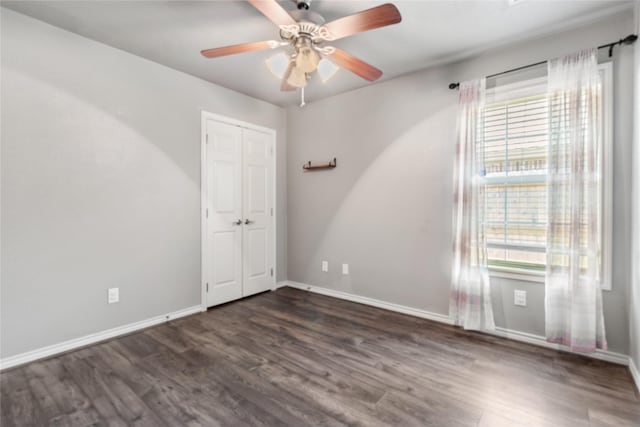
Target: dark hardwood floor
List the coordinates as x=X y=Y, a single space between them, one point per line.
x=298 y=359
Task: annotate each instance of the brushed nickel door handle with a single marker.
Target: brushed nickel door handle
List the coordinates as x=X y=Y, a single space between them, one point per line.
x=247 y=222
x=238 y=222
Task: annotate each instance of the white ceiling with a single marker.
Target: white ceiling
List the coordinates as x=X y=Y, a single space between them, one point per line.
x=431 y=32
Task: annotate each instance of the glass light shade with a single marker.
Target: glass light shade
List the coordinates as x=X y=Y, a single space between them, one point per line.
x=307 y=59
x=326 y=70
x=297 y=78
x=278 y=64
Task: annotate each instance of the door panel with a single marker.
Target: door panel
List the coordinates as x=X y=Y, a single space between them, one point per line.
x=224 y=187
x=257 y=200
x=257 y=261
x=222 y=250
x=257 y=188
x=224 y=172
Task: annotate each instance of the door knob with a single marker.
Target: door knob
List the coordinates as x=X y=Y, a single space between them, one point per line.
x=247 y=222
x=238 y=222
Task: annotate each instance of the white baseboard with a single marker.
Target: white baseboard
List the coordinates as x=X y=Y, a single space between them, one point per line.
x=442 y=318
x=279 y=285
x=525 y=337
x=634 y=373
x=606 y=355
x=41 y=353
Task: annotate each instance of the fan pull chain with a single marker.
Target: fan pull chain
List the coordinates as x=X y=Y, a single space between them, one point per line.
x=302 y=103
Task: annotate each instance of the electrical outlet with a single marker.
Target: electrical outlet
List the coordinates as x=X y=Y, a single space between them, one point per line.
x=113 y=295
x=345 y=269
x=325 y=266
x=520 y=298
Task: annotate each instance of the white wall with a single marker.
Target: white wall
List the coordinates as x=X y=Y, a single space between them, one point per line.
x=101 y=184
x=634 y=306
x=386 y=209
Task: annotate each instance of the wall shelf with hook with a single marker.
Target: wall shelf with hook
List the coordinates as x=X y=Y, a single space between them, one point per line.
x=332 y=164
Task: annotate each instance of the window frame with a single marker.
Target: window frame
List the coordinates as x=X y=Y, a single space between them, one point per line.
x=536 y=86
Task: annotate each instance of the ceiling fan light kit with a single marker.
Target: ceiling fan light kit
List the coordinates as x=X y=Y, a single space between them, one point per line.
x=307 y=58
x=306 y=33
x=297 y=78
x=279 y=62
x=326 y=70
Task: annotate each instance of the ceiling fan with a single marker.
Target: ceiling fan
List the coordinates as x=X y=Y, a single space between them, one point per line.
x=307 y=32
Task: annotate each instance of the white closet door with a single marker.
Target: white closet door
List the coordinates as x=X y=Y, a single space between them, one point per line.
x=224 y=225
x=257 y=206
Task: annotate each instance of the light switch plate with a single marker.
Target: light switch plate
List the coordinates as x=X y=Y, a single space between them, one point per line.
x=520 y=298
x=345 y=269
x=325 y=266
x=113 y=295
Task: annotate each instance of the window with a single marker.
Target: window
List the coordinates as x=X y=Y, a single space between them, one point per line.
x=514 y=132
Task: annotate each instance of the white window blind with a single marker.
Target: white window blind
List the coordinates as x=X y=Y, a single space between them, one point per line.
x=515 y=135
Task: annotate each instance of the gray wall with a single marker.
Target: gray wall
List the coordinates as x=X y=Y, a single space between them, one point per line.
x=386 y=209
x=101 y=184
x=634 y=308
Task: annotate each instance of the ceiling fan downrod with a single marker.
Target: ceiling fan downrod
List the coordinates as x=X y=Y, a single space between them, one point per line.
x=302 y=4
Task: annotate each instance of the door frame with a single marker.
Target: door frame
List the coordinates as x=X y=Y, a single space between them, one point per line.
x=205 y=116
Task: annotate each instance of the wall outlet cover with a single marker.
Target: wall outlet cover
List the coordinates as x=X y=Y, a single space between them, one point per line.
x=325 y=266
x=113 y=295
x=345 y=269
x=520 y=298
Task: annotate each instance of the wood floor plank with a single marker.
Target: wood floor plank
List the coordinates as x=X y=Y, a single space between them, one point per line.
x=65 y=394
x=21 y=405
x=292 y=358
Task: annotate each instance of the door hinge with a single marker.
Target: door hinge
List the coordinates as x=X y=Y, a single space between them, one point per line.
x=207 y=138
x=207 y=287
x=272 y=272
x=207 y=213
x=271 y=211
x=272 y=151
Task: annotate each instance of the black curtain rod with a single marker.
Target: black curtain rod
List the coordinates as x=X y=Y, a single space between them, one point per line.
x=630 y=39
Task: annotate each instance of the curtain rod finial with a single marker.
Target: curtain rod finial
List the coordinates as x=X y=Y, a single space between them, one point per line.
x=630 y=39
x=454 y=86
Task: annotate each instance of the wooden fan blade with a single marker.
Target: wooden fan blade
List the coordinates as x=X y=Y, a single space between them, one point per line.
x=286 y=87
x=272 y=10
x=236 y=48
x=355 y=65
x=369 y=19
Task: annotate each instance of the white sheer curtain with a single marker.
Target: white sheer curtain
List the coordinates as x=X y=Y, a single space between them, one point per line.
x=470 y=303
x=573 y=299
